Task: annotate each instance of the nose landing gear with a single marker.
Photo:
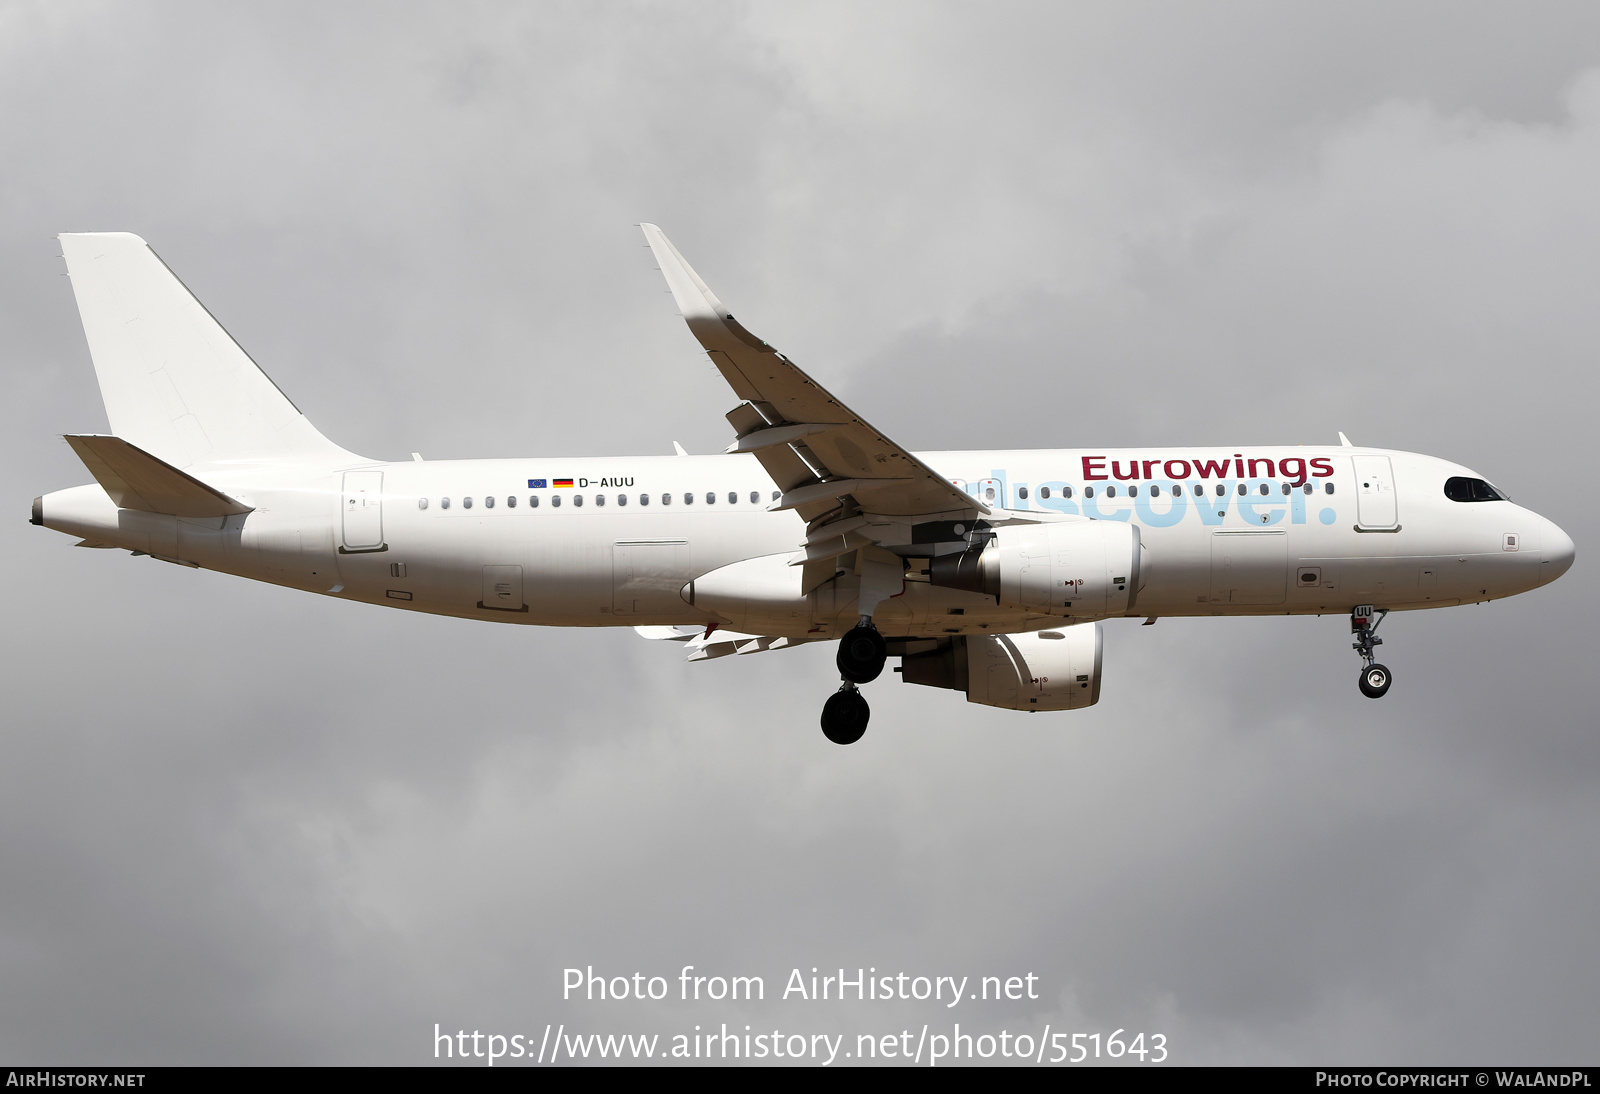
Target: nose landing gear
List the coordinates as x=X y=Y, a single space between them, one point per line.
x=1374 y=681
x=1375 y=678
x=862 y=653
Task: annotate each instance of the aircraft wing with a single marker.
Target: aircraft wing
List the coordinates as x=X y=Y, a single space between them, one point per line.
x=829 y=463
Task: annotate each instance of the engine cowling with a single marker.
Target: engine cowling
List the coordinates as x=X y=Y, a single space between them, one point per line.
x=1088 y=569
x=1048 y=670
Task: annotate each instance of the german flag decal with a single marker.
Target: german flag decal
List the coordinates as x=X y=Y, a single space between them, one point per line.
x=559 y=483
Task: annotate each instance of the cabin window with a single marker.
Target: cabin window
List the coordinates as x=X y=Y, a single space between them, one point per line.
x=555 y=501
x=1111 y=491
x=1022 y=492
x=1286 y=488
x=1088 y=491
x=488 y=502
x=422 y=503
x=1221 y=490
x=1327 y=488
x=755 y=497
x=622 y=499
x=1243 y=489
x=1263 y=488
x=1044 y=493
x=1066 y=491
x=533 y=501
x=511 y=502
x=644 y=499
x=733 y=497
x=466 y=503
x=444 y=503
x=666 y=499
x=599 y=499
x=1309 y=488
x=688 y=499
x=776 y=494
x=577 y=499
x=1460 y=488
x=1133 y=491
x=711 y=499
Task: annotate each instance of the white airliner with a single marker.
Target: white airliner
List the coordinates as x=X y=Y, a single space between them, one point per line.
x=984 y=572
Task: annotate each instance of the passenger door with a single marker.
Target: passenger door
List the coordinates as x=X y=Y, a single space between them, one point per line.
x=362 y=502
x=1376 y=504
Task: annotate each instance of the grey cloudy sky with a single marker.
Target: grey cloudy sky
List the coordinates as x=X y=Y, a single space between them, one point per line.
x=242 y=824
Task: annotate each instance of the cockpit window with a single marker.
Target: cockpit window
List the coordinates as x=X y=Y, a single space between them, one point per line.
x=1461 y=488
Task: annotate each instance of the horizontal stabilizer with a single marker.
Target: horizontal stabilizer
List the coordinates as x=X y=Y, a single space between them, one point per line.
x=704 y=645
x=668 y=634
x=137 y=480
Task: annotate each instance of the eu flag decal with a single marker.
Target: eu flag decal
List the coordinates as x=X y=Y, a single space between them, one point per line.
x=537 y=484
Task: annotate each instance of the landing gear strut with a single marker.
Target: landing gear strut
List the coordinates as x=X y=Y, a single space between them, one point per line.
x=862 y=653
x=1375 y=678
x=844 y=715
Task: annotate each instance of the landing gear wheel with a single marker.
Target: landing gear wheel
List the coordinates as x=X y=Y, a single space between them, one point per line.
x=1375 y=681
x=844 y=717
x=862 y=653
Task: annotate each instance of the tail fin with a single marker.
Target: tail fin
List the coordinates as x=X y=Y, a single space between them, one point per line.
x=174 y=382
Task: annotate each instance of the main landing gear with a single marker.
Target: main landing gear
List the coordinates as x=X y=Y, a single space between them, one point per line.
x=1375 y=678
x=844 y=715
x=862 y=653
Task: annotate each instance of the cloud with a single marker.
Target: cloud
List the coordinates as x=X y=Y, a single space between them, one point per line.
x=242 y=824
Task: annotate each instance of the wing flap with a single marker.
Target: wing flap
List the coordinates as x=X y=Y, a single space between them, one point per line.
x=134 y=479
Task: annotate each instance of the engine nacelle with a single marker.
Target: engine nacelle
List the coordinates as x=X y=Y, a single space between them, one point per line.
x=1048 y=670
x=1088 y=569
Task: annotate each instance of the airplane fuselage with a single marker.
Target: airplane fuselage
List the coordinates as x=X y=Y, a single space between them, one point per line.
x=1243 y=531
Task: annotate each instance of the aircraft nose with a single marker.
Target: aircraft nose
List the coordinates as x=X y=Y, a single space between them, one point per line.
x=1559 y=551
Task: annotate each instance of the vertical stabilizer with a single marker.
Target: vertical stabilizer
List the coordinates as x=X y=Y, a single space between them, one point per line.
x=176 y=384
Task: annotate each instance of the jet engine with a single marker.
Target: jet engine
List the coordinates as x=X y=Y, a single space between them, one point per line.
x=1047 y=670
x=1088 y=569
